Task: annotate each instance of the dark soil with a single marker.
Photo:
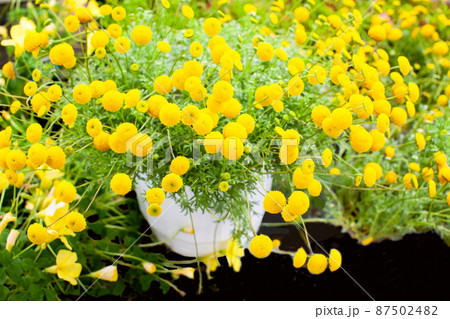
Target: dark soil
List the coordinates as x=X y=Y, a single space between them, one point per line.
x=414 y=268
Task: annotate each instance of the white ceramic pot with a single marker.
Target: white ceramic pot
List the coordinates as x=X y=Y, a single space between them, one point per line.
x=211 y=235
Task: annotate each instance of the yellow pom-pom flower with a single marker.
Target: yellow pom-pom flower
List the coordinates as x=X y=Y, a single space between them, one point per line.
x=121 y=184
x=335 y=260
x=37 y=234
x=171 y=183
x=317 y=264
x=141 y=34
x=265 y=51
x=65 y=192
x=76 y=222
x=274 y=202
x=34 y=133
x=261 y=246
x=212 y=26
x=300 y=258
x=155 y=196
x=118 y=13
x=179 y=165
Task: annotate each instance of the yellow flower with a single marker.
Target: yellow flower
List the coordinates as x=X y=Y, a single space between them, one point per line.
x=404 y=65
x=360 y=140
x=315 y=188
x=165 y=3
x=122 y=44
x=391 y=177
x=112 y=101
x=163 y=84
x=432 y=188
x=141 y=34
x=94 y=127
x=335 y=260
x=11 y=240
x=114 y=30
x=187 y=272
x=149 y=267
x=34 y=133
x=5 y=220
x=301 y=14
x=179 y=165
x=265 y=51
x=121 y=184
x=261 y=246
x=301 y=180
x=105 y=9
x=118 y=13
x=213 y=142
x=224 y=186
x=100 y=52
x=66 y=267
x=62 y=54
x=274 y=202
x=71 y=23
x=170 y=114
x=18 y=33
x=132 y=98
x=108 y=273
x=187 y=11
x=211 y=262
x=37 y=234
x=234 y=252
x=171 y=183
x=8 y=71
x=377 y=32
x=440 y=48
x=155 y=196
x=30 y=88
x=300 y=258
x=298 y=203
x=410 y=181
x=163 y=46
x=317 y=264
x=101 y=141
x=69 y=114
x=196 y=49
x=154 y=210
x=212 y=26
x=16 y=160
x=75 y=222
x=56 y=158
x=99 y=39
x=83 y=14
x=82 y=94
x=54 y=93
x=65 y=192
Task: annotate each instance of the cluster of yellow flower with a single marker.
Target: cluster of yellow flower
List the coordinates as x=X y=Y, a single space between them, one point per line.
x=261 y=246
x=370 y=101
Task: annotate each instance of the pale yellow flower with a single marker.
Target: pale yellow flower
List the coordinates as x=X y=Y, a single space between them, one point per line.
x=11 y=240
x=108 y=273
x=188 y=272
x=18 y=33
x=66 y=267
x=234 y=253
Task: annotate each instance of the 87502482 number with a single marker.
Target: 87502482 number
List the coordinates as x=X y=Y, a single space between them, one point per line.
x=406 y=310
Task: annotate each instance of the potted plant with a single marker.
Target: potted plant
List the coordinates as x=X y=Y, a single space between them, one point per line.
x=212 y=121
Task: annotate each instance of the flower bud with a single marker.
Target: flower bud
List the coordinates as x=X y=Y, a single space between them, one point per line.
x=134 y=67
x=68 y=150
x=149 y=267
x=11 y=240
